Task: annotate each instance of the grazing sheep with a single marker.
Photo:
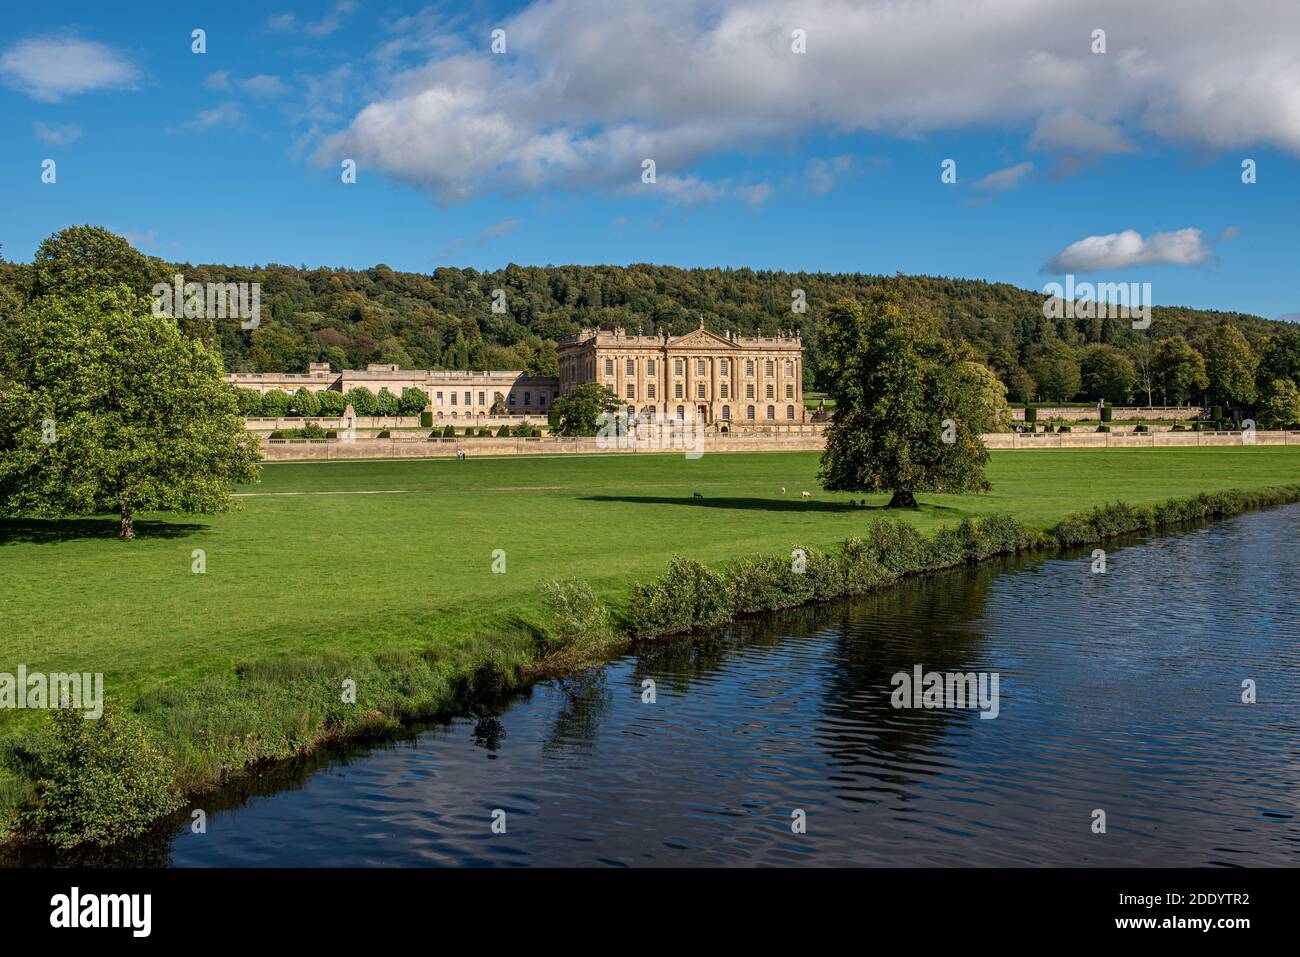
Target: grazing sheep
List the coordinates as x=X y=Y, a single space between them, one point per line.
x=697 y=495
x=806 y=495
x=782 y=489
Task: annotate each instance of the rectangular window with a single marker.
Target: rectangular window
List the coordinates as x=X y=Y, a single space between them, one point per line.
x=677 y=366
x=726 y=412
x=769 y=391
x=453 y=398
x=528 y=398
x=771 y=367
x=609 y=367
x=631 y=391
x=512 y=398
x=541 y=399
x=481 y=397
x=701 y=392
x=789 y=367
x=749 y=367
x=650 y=391
x=789 y=390
x=440 y=398
x=723 y=389
x=749 y=390
x=722 y=367
x=631 y=367
x=467 y=401
x=677 y=390
x=649 y=367
x=700 y=366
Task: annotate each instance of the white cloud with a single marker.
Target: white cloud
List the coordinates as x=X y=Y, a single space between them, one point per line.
x=1008 y=178
x=592 y=87
x=224 y=114
x=1184 y=247
x=58 y=135
x=289 y=23
x=755 y=195
x=823 y=175
x=498 y=229
x=263 y=85
x=218 y=80
x=1071 y=130
x=51 y=68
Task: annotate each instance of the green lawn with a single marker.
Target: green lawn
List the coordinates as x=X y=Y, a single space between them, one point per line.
x=308 y=572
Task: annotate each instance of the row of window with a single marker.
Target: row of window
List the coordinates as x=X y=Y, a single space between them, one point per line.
x=750 y=413
x=702 y=390
x=483 y=399
x=702 y=367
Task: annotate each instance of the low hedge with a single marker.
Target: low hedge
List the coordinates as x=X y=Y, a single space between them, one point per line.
x=691 y=596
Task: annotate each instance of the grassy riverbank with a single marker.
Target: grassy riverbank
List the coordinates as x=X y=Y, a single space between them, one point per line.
x=382 y=573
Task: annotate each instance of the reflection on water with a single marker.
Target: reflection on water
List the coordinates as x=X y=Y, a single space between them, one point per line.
x=1119 y=692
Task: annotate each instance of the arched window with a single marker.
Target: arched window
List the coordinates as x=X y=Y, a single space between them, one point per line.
x=749 y=413
x=771 y=413
x=726 y=413
x=789 y=412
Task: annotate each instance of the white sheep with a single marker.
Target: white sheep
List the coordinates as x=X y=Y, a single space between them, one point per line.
x=806 y=495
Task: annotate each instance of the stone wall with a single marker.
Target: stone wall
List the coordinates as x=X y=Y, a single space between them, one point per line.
x=1118 y=413
x=1125 y=440
x=417 y=446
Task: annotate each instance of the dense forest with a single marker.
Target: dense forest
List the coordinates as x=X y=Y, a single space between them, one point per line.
x=446 y=319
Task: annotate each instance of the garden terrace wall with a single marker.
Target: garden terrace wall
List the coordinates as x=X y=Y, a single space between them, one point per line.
x=416 y=445
x=1079 y=413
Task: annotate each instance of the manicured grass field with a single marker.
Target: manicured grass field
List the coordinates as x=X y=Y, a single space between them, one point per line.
x=311 y=564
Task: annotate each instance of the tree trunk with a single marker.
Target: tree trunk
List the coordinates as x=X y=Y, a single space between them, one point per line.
x=128 y=524
x=902 y=499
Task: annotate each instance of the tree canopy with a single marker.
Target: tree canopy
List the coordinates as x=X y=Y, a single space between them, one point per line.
x=108 y=408
x=908 y=409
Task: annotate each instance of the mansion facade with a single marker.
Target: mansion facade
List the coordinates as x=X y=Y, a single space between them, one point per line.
x=452 y=395
x=726 y=381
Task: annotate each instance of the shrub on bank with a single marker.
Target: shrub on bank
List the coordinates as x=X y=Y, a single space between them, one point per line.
x=578 y=630
x=94 y=780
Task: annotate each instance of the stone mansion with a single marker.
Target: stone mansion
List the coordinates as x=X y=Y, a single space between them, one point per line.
x=728 y=381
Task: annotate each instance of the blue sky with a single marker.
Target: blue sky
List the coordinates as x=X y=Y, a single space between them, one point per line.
x=1122 y=165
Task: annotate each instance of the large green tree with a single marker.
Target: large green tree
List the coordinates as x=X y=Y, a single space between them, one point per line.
x=908 y=410
x=1107 y=373
x=1177 y=370
x=1280 y=404
x=108 y=408
x=1055 y=368
x=1230 y=366
x=576 y=412
x=87 y=259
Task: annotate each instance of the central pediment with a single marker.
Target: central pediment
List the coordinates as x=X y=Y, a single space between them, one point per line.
x=702 y=338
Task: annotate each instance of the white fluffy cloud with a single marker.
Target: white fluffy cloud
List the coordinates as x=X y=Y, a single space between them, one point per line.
x=52 y=68
x=58 y=135
x=1008 y=178
x=1184 y=247
x=589 y=88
